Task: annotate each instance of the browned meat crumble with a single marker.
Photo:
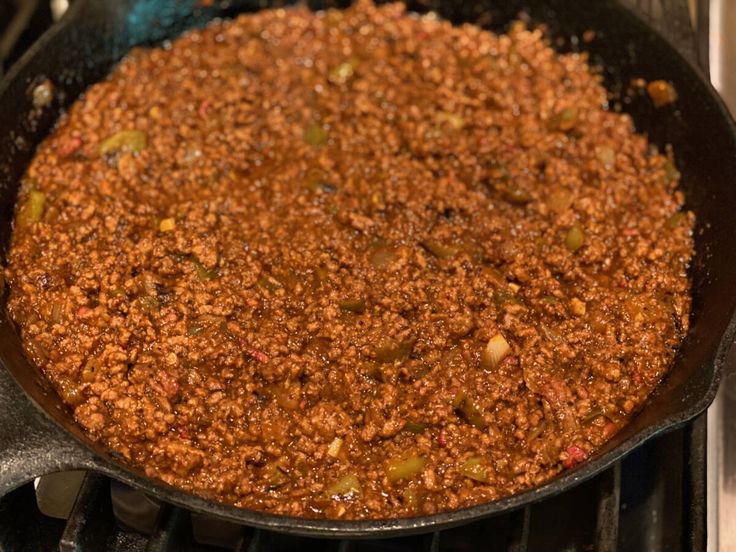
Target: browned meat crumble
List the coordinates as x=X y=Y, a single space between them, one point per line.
x=357 y=264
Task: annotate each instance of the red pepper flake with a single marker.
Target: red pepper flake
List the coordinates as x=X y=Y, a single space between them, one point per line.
x=609 y=429
x=422 y=35
x=629 y=232
x=68 y=147
x=442 y=439
x=575 y=455
x=203 y=107
x=184 y=433
x=622 y=284
x=260 y=356
x=168 y=383
x=84 y=311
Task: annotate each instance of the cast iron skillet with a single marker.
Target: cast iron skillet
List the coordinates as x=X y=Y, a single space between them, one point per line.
x=37 y=434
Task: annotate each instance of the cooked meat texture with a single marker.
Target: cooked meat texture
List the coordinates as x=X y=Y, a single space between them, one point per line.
x=357 y=264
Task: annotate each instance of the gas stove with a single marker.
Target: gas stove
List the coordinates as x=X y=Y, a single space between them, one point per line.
x=674 y=493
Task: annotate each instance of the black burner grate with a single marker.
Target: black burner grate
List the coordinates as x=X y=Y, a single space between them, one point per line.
x=652 y=500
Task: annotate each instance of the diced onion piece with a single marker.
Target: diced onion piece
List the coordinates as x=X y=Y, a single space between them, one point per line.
x=354 y=305
x=551 y=334
x=577 y=306
x=203 y=273
x=405 y=467
x=675 y=220
x=383 y=257
x=195 y=329
x=203 y=323
x=454 y=120
x=536 y=431
x=148 y=303
x=269 y=283
x=315 y=135
x=167 y=225
x=493 y=276
x=670 y=171
x=563 y=120
x=517 y=196
x=91 y=370
x=411 y=498
x=496 y=350
x=57 y=313
x=575 y=238
x=342 y=73
x=125 y=140
x=605 y=155
x=43 y=94
x=275 y=477
x=415 y=427
x=439 y=250
x=661 y=92
x=32 y=210
x=475 y=468
x=334 y=448
x=70 y=393
x=347 y=485
x=390 y=350
x=469 y=411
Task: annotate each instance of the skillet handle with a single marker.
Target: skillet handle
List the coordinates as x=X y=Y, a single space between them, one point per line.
x=32 y=445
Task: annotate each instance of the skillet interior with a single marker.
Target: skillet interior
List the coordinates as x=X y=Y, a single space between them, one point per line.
x=95 y=35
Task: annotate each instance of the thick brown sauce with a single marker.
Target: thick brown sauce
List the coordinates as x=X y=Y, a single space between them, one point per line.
x=275 y=286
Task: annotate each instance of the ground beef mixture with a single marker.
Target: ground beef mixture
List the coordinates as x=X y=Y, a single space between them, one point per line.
x=357 y=264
